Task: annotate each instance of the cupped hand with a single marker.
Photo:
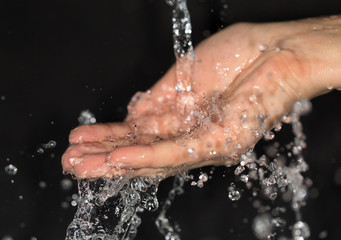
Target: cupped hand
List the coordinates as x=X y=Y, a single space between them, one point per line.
x=242 y=81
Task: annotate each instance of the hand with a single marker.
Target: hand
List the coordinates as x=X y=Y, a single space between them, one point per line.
x=244 y=79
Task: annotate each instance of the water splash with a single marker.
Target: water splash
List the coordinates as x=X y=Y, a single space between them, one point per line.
x=279 y=173
x=86 y=117
x=162 y=222
x=109 y=208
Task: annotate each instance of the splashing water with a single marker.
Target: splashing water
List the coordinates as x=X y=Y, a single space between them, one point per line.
x=278 y=174
x=110 y=208
x=86 y=117
x=127 y=195
x=162 y=222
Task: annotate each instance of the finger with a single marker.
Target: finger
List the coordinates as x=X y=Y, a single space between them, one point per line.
x=94 y=166
x=99 y=132
x=169 y=153
x=75 y=152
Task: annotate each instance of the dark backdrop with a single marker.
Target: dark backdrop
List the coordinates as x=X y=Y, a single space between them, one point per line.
x=60 y=57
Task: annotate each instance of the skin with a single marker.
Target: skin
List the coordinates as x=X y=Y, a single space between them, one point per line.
x=243 y=80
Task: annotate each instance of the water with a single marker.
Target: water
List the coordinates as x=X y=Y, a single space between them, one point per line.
x=86 y=117
x=111 y=208
x=11 y=169
x=278 y=173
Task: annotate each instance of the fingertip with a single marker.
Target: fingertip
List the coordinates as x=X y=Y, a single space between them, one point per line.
x=76 y=134
x=66 y=163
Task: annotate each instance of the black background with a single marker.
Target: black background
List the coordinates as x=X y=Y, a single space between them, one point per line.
x=60 y=57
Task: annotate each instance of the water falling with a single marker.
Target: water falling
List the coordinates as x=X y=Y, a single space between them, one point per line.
x=109 y=208
x=278 y=173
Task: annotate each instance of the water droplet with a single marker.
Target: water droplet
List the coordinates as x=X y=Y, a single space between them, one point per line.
x=66 y=184
x=268 y=135
x=244 y=178
x=42 y=184
x=40 y=151
x=64 y=205
x=11 y=169
x=50 y=144
x=337 y=176
x=239 y=170
x=262 y=47
x=152 y=204
x=234 y=194
x=86 y=117
x=300 y=230
x=273 y=196
x=323 y=235
x=213 y=152
x=262 y=226
x=7 y=237
x=203 y=177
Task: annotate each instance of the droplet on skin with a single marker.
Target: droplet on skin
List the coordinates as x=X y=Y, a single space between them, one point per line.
x=262 y=47
x=253 y=98
x=213 y=153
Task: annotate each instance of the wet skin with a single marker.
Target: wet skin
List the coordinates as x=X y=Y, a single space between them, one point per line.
x=244 y=79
